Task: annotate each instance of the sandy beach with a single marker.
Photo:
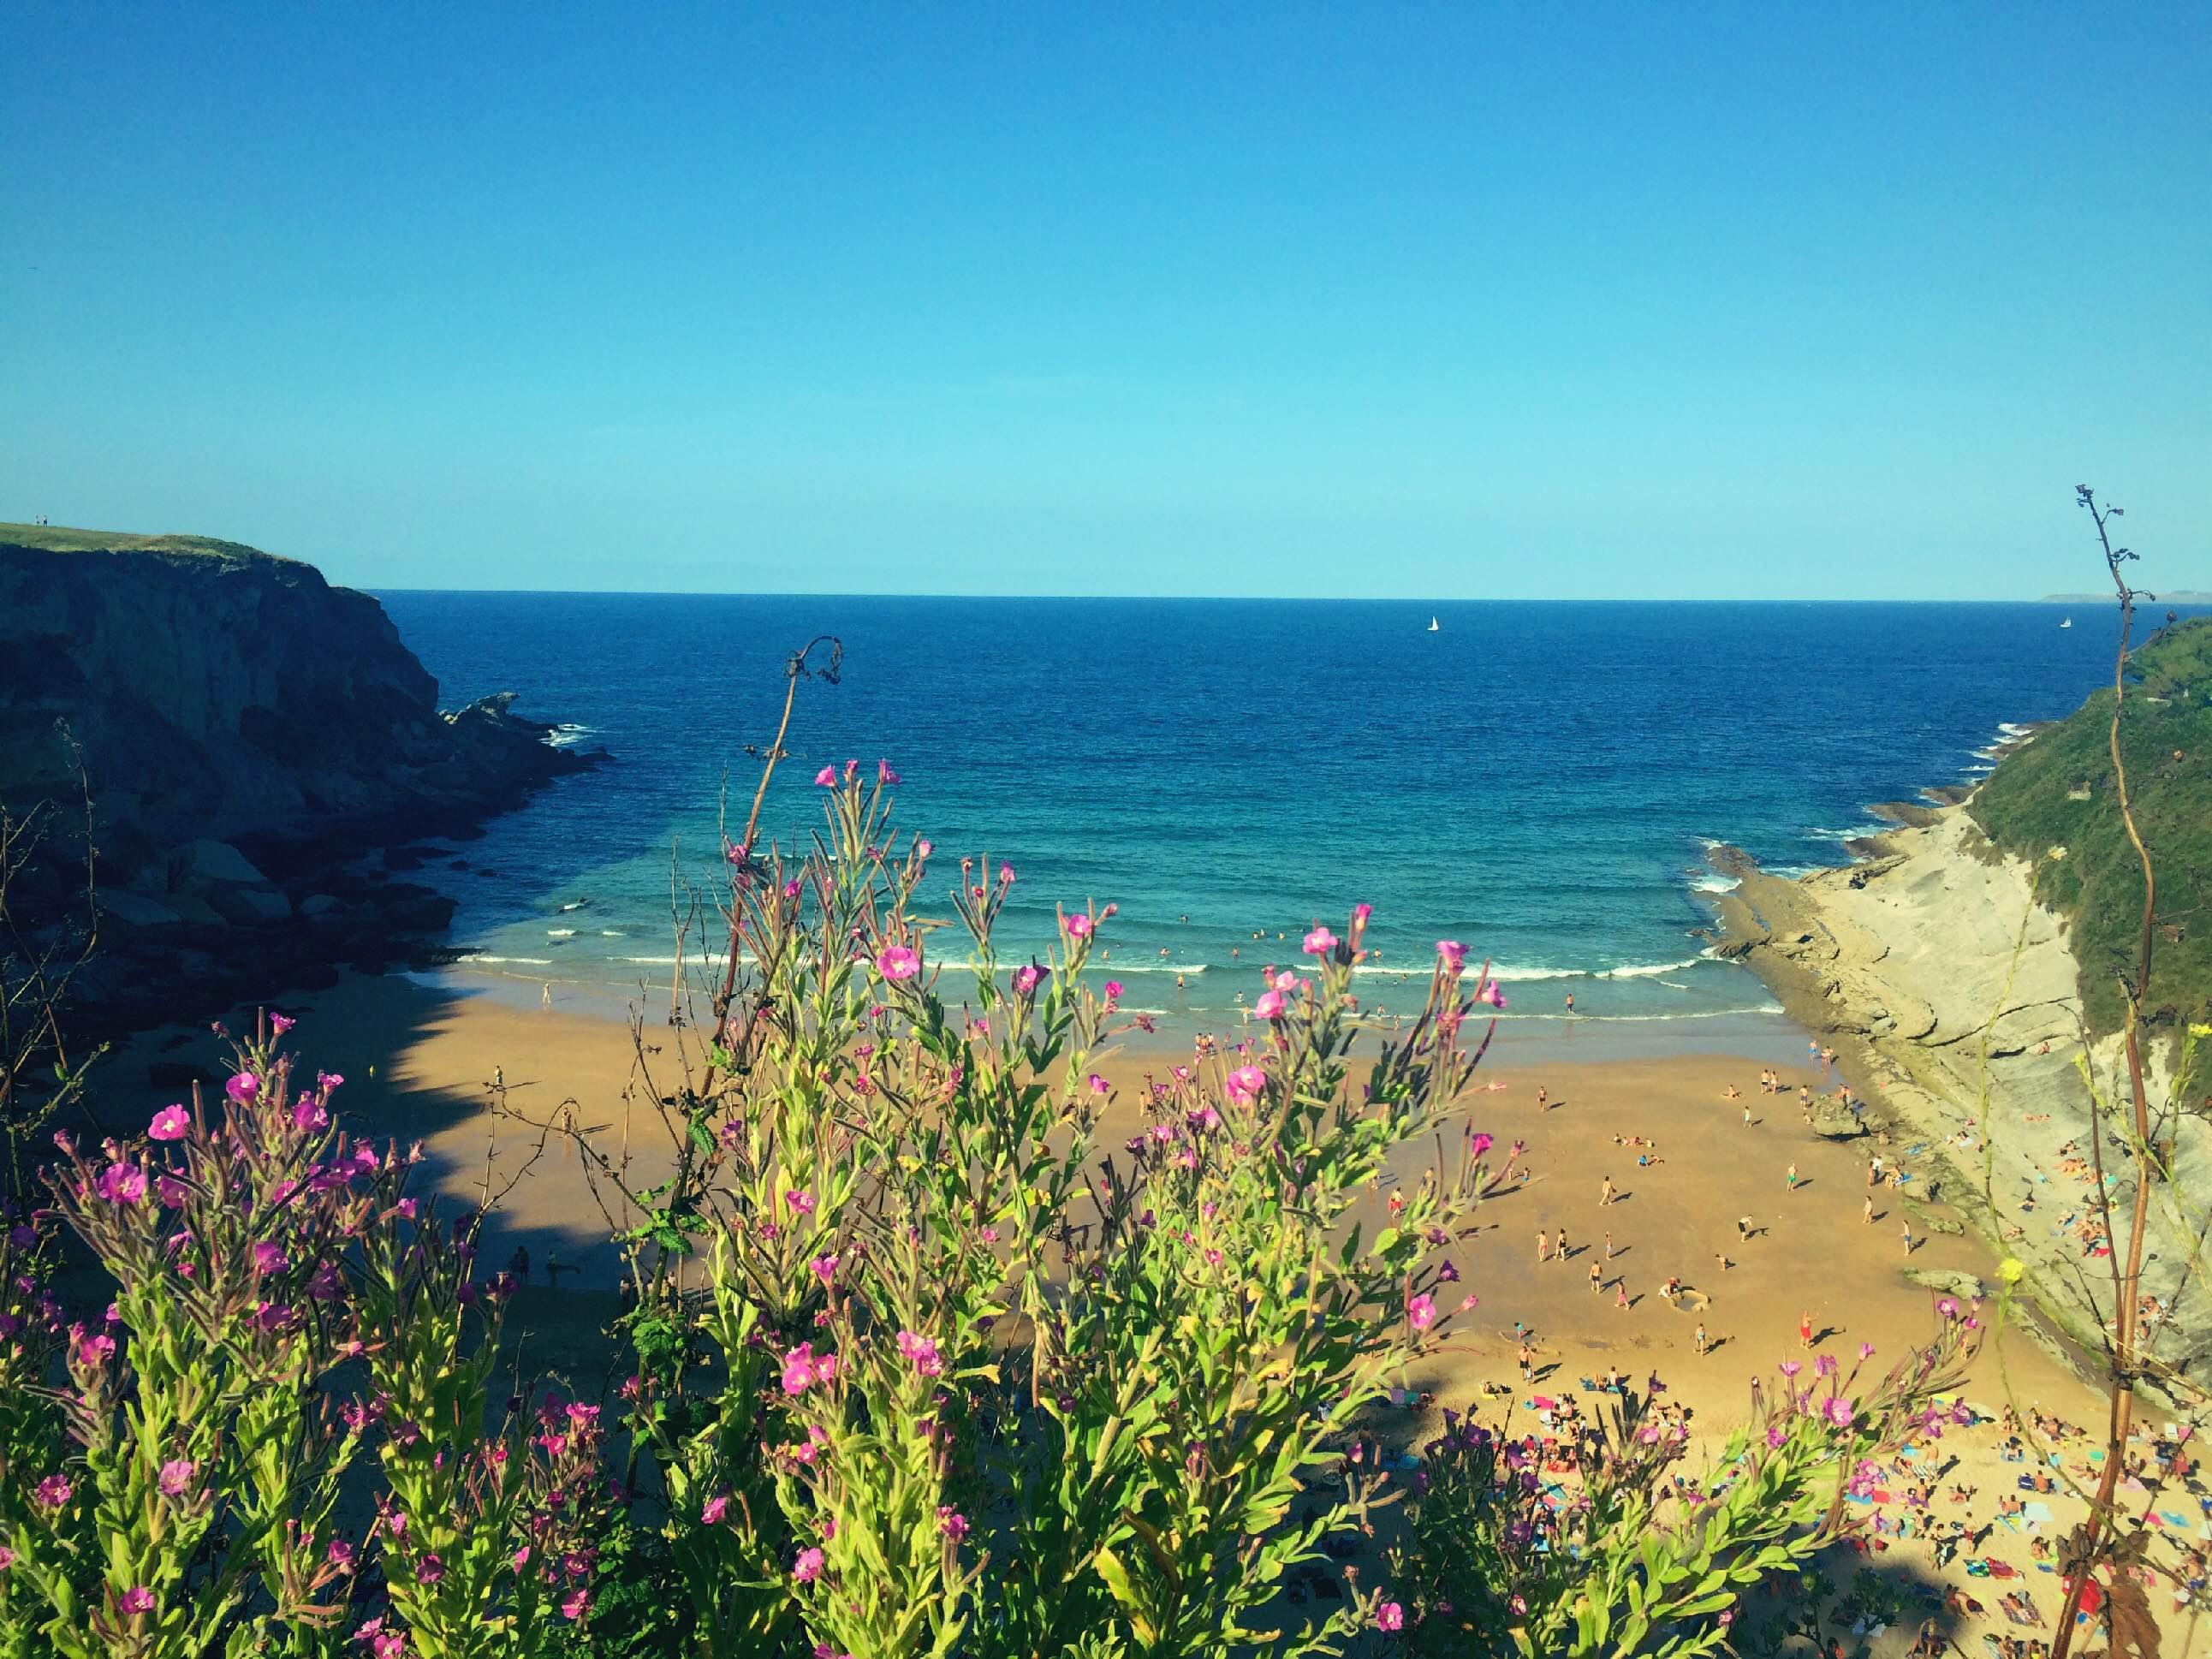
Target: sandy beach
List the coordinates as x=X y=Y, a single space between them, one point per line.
x=427 y=1061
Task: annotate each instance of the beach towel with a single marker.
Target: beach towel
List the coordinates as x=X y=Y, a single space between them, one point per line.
x=2036 y=1511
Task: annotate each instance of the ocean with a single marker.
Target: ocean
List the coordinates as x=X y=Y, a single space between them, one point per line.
x=1539 y=780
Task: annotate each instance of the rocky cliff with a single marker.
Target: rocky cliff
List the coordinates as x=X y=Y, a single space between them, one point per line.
x=243 y=725
x=1952 y=997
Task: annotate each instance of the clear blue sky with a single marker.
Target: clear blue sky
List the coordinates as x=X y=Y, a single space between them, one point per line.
x=1514 y=299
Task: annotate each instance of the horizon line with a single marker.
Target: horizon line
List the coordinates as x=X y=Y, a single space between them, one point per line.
x=1263 y=598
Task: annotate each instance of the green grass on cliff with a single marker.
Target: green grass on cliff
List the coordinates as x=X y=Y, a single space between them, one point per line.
x=61 y=539
x=2058 y=792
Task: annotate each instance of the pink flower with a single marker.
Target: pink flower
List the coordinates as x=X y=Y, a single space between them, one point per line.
x=922 y=1351
x=6 y=1558
x=575 y=1605
x=824 y=1267
x=801 y=1201
x=1098 y=1084
x=808 y=1567
x=1319 y=943
x=429 y=1570
x=54 y=1490
x=1491 y=994
x=800 y=1367
x=884 y=773
x=270 y=1258
x=1420 y=1311
x=1269 y=1006
x=897 y=962
x=388 y=1645
x=1078 y=925
x=242 y=1087
x=827 y=777
x=170 y=1123
x=1245 y=1083
x=121 y=1183
x=1838 y=1411
x=137 y=1601
x=716 y=1508
x=1949 y=1307
x=1480 y=1143
x=280 y=1023
x=951 y=1522
x=923 y=848
x=1390 y=1616
x=1006 y=875
x=1027 y=979
x=1454 y=955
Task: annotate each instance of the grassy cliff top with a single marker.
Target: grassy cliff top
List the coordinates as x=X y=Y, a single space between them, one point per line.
x=61 y=539
x=2058 y=792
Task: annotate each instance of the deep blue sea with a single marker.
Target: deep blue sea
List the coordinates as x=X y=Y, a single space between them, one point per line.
x=1541 y=781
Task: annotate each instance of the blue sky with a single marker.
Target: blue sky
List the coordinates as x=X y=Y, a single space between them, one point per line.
x=1512 y=301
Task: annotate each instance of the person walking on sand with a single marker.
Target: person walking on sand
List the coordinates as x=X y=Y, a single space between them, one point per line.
x=1528 y=1363
x=1605 y=1191
x=1697 y=1341
x=1620 y=1294
x=1560 y=1244
x=1543 y=1098
x=1868 y=1214
x=1908 y=1238
x=1608 y=1245
x=1791 y=1177
x=1805 y=1330
x=1743 y=1230
x=1746 y=1114
x=1597 y=1278
x=1543 y=1247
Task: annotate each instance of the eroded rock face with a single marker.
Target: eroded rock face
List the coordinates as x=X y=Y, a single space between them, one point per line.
x=213 y=692
x=1952 y=994
x=245 y=728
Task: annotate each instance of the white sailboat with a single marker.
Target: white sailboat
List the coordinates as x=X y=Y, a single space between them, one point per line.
x=2068 y=622
x=1433 y=625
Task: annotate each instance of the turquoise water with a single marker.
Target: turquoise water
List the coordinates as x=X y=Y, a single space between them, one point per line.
x=1539 y=780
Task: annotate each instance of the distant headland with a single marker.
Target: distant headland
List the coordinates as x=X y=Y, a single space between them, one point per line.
x=207 y=737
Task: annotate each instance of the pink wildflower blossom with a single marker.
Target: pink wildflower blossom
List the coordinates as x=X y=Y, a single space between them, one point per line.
x=827 y=777
x=1078 y=925
x=716 y=1508
x=1454 y=955
x=1245 y=1083
x=242 y=1087
x=1319 y=943
x=170 y=1123
x=885 y=773
x=137 y=1601
x=898 y=961
x=1390 y=1616
x=1421 y=1311
x=922 y=1351
x=808 y=1567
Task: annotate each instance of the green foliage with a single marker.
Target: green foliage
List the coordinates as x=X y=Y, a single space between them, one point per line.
x=2059 y=791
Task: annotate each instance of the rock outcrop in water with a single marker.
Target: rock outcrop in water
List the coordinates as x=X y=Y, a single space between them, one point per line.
x=245 y=729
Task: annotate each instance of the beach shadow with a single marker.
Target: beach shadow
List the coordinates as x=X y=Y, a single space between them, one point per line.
x=1825 y=1332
